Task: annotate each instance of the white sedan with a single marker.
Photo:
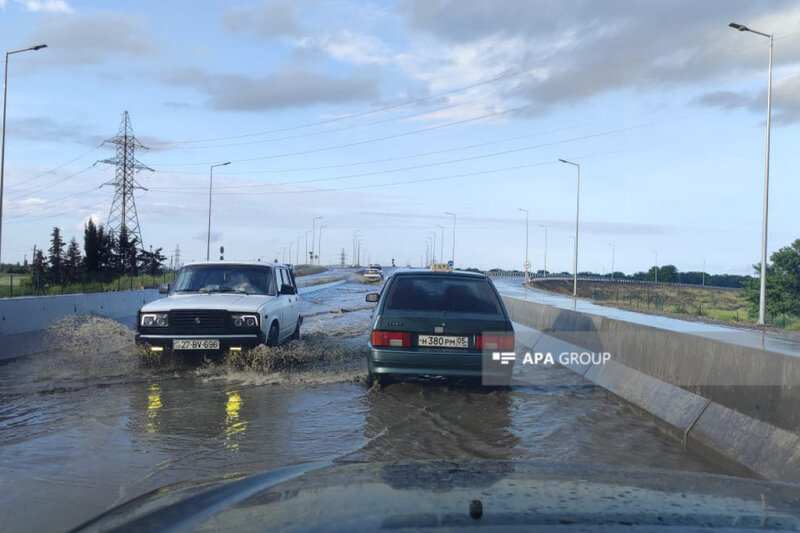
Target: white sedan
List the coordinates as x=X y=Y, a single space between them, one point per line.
x=222 y=306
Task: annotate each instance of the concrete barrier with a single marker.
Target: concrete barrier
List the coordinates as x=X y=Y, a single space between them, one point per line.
x=734 y=403
x=23 y=319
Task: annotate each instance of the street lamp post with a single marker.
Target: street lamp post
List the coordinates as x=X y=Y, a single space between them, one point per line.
x=355 y=261
x=453 y=258
x=441 y=244
x=527 y=263
x=704 y=271
x=319 y=245
x=577 y=215
x=210 y=185
x=613 y=249
x=297 y=253
x=762 y=300
x=307 y=243
x=3 y=142
x=433 y=250
x=313 y=236
x=656 y=254
x=545 y=248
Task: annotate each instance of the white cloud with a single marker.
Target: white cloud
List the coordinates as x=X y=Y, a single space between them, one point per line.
x=46 y=6
x=94 y=217
x=27 y=202
x=349 y=47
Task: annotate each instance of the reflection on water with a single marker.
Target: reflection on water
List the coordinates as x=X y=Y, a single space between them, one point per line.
x=427 y=419
x=153 y=405
x=234 y=428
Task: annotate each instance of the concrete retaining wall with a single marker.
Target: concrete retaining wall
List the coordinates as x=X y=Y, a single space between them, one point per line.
x=22 y=319
x=734 y=403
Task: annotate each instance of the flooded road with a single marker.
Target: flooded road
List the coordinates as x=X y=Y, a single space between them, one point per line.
x=87 y=427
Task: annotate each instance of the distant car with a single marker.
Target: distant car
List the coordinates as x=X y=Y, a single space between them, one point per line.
x=221 y=306
x=372 y=275
x=437 y=322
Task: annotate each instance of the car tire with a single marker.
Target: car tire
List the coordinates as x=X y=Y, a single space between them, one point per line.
x=272 y=337
x=296 y=334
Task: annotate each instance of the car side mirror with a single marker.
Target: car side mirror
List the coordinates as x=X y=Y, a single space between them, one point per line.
x=163 y=288
x=287 y=289
x=372 y=297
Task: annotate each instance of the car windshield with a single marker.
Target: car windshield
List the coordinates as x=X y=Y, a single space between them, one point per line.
x=442 y=293
x=225 y=278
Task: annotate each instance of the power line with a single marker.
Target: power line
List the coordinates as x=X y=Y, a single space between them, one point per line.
x=417 y=167
x=45 y=204
x=70 y=211
x=51 y=184
x=59 y=167
x=336 y=130
x=407 y=182
x=352 y=115
x=367 y=141
x=390 y=159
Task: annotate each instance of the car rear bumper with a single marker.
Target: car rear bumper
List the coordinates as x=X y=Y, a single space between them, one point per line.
x=440 y=363
x=225 y=341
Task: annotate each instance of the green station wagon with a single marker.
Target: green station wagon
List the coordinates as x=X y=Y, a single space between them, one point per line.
x=439 y=322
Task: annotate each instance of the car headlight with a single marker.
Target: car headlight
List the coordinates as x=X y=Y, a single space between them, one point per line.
x=154 y=320
x=245 y=321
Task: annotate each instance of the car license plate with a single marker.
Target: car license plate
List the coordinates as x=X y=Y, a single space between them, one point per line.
x=442 y=341
x=195 y=344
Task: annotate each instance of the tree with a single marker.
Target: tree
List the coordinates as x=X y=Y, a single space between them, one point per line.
x=668 y=274
x=783 y=283
x=151 y=262
x=73 y=262
x=91 y=248
x=39 y=270
x=106 y=255
x=126 y=253
x=56 y=258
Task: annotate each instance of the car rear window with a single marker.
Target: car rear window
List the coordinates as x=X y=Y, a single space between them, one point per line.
x=442 y=293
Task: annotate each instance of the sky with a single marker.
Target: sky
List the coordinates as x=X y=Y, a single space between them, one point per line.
x=380 y=117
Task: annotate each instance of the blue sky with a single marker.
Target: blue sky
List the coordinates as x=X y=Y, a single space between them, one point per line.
x=382 y=116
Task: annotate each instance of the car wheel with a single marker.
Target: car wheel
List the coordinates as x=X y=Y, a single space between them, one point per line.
x=296 y=334
x=272 y=337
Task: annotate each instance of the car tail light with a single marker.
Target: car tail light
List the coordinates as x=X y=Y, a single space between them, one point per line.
x=502 y=342
x=392 y=339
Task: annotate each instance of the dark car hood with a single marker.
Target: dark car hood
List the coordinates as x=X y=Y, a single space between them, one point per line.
x=437 y=495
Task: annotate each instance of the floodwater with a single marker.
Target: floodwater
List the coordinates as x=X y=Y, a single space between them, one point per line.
x=87 y=426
